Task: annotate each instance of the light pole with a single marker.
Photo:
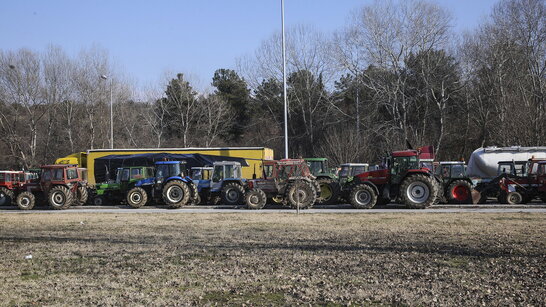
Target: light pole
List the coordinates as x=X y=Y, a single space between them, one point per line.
x=284 y=85
x=104 y=77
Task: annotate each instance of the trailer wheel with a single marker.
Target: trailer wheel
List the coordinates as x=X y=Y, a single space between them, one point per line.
x=329 y=191
x=255 y=199
x=25 y=200
x=419 y=192
x=81 y=196
x=514 y=198
x=459 y=192
x=302 y=193
x=176 y=194
x=362 y=196
x=6 y=196
x=60 y=197
x=137 y=197
x=232 y=194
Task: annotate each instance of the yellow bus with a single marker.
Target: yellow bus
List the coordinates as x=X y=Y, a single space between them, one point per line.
x=253 y=156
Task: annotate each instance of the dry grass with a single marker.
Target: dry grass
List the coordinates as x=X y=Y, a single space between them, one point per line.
x=273 y=259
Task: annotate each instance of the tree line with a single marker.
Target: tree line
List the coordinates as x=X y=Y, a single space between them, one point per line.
x=395 y=74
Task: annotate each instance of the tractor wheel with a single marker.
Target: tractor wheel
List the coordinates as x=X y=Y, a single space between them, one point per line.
x=255 y=199
x=98 y=200
x=6 y=196
x=81 y=196
x=25 y=200
x=302 y=192
x=419 y=192
x=459 y=192
x=60 y=197
x=362 y=196
x=176 y=194
x=137 y=197
x=329 y=192
x=232 y=194
x=514 y=198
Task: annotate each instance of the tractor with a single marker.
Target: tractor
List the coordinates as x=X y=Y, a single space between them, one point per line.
x=11 y=183
x=61 y=184
x=326 y=178
x=289 y=181
x=490 y=188
x=116 y=191
x=456 y=185
x=170 y=184
x=225 y=184
x=403 y=179
x=517 y=189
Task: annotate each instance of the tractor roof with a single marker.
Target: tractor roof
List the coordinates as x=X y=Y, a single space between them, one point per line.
x=315 y=159
x=290 y=161
x=451 y=162
x=227 y=163
x=510 y=162
x=405 y=153
x=355 y=164
x=202 y=167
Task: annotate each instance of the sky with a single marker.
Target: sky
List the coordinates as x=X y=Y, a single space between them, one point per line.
x=147 y=39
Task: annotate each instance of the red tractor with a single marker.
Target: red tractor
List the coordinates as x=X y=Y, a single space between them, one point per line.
x=406 y=177
x=288 y=182
x=11 y=182
x=61 y=184
x=516 y=189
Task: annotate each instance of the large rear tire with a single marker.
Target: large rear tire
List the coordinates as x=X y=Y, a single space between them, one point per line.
x=81 y=196
x=459 y=192
x=232 y=194
x=362 y=196
x=137 y=197
x=25 y=200
x=176 y=194
x=60 y=197
x=419 y=192
x=329 y=191
x=6 y=196
x=255 y=199
x=302 y=193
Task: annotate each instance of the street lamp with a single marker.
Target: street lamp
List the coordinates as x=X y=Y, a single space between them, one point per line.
x=105 y=77
x=284 y=84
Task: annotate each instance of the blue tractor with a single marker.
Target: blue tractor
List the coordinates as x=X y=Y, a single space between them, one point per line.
x=225 y=184
x=170 y=185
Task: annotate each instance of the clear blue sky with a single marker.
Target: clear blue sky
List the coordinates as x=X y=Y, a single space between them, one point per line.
x=147 y=38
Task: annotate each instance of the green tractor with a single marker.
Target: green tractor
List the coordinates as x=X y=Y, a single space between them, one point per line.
x=326 y=178
x=346 y=175
x=115 y=191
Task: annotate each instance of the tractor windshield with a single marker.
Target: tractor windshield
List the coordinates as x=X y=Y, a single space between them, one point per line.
x=119 y=171
x=168 y=170
x=218 y=173
x=358 y=170
x=316 y=167
x=402 y=164
x=71 y=173
x=4 y=177
x=232 y=171
x=344 y=172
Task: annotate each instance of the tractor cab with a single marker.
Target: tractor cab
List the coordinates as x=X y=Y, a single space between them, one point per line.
x=349 y=170
x=11 y=179
x=225 y=171
x=512 y=168
x=168 y=169
x=448 y=170
x=59 y=174
x=201 y=173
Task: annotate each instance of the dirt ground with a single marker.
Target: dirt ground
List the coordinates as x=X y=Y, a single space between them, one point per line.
x=273 y=259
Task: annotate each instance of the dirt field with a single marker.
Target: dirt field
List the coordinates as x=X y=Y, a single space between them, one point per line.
x=273 y=259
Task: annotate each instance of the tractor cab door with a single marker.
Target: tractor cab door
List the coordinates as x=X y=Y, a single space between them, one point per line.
x=124 y=176
x=217 y=178
x=399 y=166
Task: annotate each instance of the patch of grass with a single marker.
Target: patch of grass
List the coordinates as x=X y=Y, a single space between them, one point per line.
x=30 y=276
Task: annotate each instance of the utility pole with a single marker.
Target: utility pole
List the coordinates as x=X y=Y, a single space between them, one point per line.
x=284 y=84
x=104 y=77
